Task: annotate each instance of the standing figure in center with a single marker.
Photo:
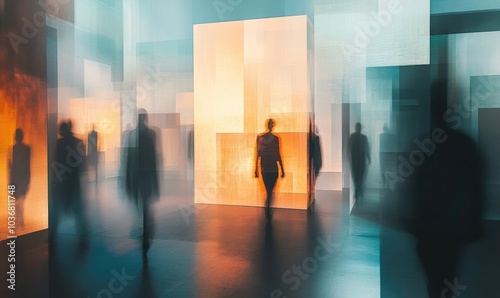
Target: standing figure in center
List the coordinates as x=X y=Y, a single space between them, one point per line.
x=359 y=155
x=142 y=174
x=268 y=150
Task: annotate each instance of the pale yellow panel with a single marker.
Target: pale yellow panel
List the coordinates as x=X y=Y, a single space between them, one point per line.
x=246 y=72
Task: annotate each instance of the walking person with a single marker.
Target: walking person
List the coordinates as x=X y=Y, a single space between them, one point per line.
x=69 y=164
x=141 y=177
x=359 y=157
x=268 y=153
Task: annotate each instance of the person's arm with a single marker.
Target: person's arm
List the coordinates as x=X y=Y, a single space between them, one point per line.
x=282 y=168
x=257 y=155
x=280 y=161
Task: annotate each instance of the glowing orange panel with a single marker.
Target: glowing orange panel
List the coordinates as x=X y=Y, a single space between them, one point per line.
x=23 y=104
x=246 y=72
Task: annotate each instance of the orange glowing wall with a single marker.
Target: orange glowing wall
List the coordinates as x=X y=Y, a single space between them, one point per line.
x=23 y=104
x=244 y=73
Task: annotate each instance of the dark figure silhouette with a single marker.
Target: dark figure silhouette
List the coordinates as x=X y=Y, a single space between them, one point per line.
x=359 y=154
x=386 y=152
x=68 y=166
x=93 y=154
x=317 y=154
x=142 y=174
x=268 y=151
x=448 y=199
x=19 y=164
x=190 y=152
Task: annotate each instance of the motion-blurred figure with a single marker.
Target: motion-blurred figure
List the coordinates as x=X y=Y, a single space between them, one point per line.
x=19 y=164
x=386 y=152
x=190 y=146
x=70 y=162
x=317 y=155
x=448 y=199
x=359 y=155
x=93 y=154
x=268 y=151
x=142 y=174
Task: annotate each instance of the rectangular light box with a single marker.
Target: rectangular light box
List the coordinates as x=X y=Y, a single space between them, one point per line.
x=246 y=72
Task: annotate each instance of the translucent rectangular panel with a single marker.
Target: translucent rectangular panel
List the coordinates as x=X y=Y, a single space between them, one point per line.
x=450 y=6
x=391 y=33
x=23 y=104
x=244 y=73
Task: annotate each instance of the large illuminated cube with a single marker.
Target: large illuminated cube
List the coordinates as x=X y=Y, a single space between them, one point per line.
x=244 y=73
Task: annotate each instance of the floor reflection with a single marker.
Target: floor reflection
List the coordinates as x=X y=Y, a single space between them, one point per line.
x=228 y=251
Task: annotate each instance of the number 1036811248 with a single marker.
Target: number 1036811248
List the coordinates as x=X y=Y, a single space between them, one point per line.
x=11 y=208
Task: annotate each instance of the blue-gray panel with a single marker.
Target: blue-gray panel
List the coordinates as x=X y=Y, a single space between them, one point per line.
x=210 y=11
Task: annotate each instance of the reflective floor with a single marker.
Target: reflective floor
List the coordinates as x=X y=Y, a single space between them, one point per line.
x=228 y=251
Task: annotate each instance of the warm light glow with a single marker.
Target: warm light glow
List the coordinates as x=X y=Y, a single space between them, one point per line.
x=103 y=115
x=244 y=73
x=23 y=104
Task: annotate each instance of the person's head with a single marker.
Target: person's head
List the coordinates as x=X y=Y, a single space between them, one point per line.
x=143 y=118
x=270 y=124
x=19 y=136
x=357 y=127
x=65 y=128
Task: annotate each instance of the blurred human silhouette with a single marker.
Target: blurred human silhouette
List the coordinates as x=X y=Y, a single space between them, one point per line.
x=68 y=166
x=92 y=153
x=316 y=154
x=141 y=177
x=359 y=155
x=269 y=154
x=19 y=165
x=448 y=198
x=190 y=146
x=386 y=152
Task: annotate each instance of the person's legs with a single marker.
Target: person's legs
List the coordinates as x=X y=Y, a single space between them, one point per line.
x=81 y=218
x=439 y=259
x=269 y=182
x=356 y=181
x=147 y=224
